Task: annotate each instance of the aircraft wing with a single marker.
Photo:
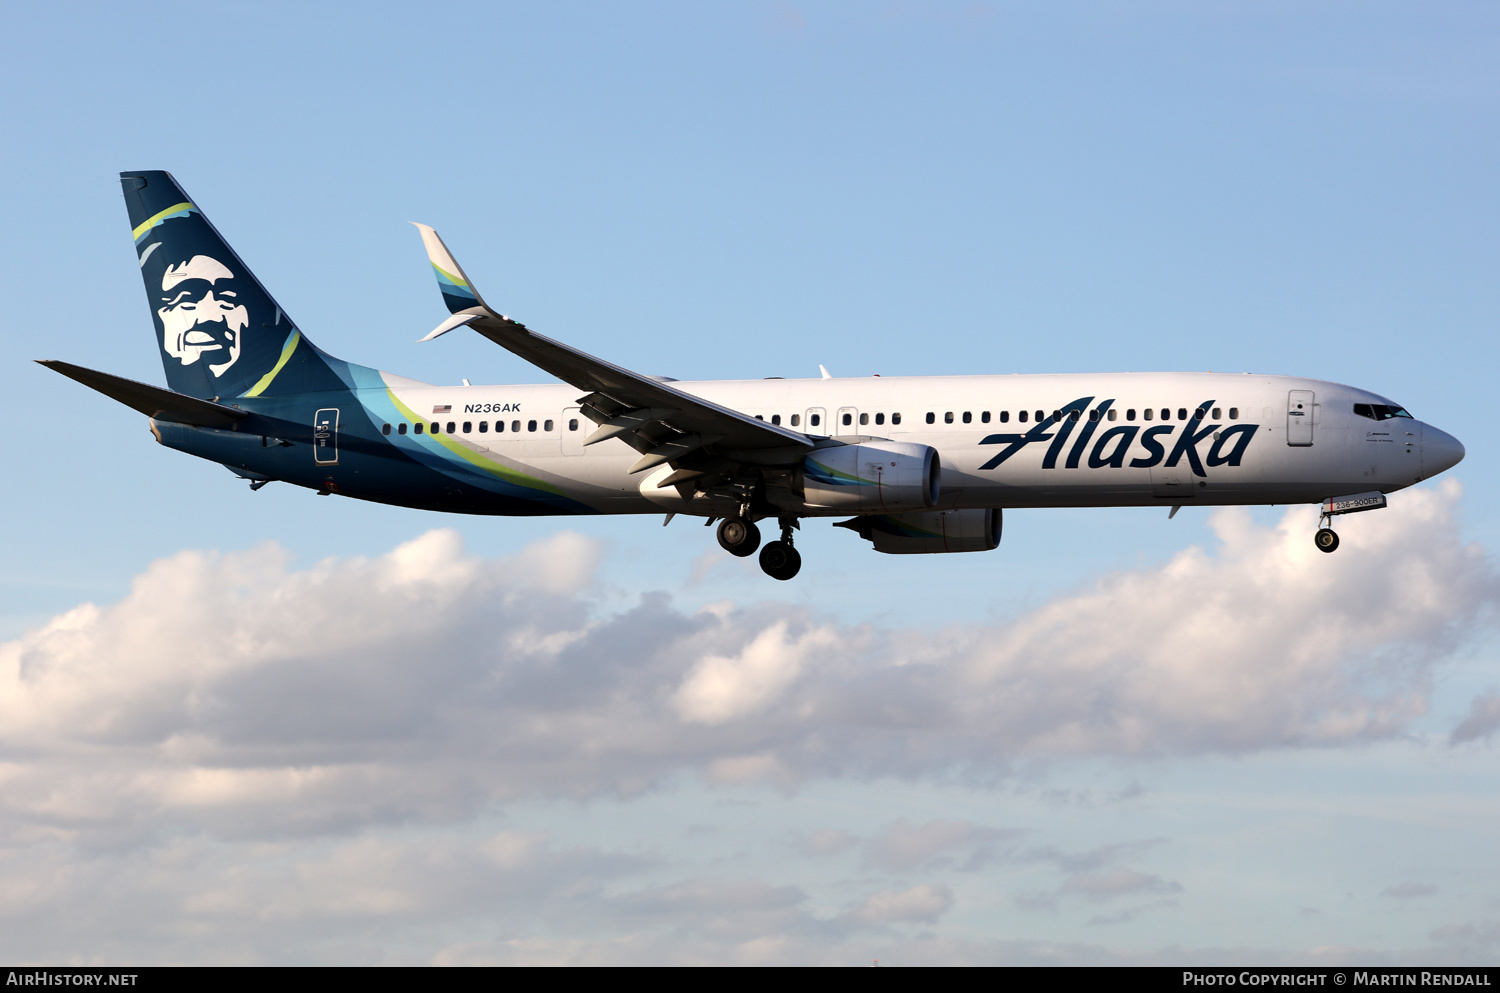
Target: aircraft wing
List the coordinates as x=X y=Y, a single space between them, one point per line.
x=663 y=423
x=153 y=401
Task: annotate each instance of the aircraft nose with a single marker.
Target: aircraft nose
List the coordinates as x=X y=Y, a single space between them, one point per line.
x=1440 y=451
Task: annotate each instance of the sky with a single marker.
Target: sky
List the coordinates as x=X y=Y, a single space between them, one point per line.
x=277 y=728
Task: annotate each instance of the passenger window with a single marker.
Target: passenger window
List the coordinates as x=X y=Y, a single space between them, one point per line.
x=1041 y=416
x=968 y=417
x=572 y=424
x=1200 y=413
x=948 y=417
x=984 y=418
x=515 y=425
x=401 y=428
x=760 y=417
x=417 y=428
x=1113 y=413
x=1073 y=415
x=546 y=425
x=1166 y=414
x=450 y=427
x=1147 y=413
x=531 y=425
x=796 y=419
x=484 y=427
x=1005 y=416
x=1182 y=413
x=864 y=418
x=895 y=418
x=468 y=426
x=879 y=418
x=1234 y=413
x=1093 y=415
x=1021 y=416
x=931 y=417
x=385 y=429
x=813 y=420
x=499 y=426
x=1216 y=413
x=776 y=419
x=848 y=420
x=435 y=428
x=1130 y=414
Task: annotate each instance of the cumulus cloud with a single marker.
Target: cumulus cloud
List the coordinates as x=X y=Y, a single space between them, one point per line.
x=237 y=740
x=424 y=683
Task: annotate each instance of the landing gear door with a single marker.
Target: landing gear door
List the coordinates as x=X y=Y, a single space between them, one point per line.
x=1301 y=410
x=326 y=436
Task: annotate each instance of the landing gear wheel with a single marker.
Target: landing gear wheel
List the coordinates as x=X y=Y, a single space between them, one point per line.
x=739 y=536
x=780 y=560
x=1326 y=540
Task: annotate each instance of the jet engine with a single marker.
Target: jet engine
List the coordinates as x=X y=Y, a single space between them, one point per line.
x=876 y=476
x=934 y=531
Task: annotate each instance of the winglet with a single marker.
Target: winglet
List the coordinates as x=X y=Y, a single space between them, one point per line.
x=458 y=293
x=454 y=321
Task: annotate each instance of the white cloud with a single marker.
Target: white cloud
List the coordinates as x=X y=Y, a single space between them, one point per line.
x=424 y=683
x=923 y=904
x=238 y=745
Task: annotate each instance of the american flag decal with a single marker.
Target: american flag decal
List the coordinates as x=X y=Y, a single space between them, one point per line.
x=446 y=408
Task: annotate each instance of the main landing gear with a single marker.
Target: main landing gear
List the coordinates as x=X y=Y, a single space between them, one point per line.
x=739 y=536
x=779 y=560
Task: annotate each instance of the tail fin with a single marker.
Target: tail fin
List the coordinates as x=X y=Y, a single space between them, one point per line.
x=220 y=333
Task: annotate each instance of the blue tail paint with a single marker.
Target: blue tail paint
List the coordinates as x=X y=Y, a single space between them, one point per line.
x=219 y=332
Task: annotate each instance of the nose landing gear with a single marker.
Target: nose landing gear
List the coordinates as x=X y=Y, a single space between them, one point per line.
x=779 y=559
x=1326 y=539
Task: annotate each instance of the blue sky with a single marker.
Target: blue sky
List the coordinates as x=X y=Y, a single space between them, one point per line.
x=745 y=190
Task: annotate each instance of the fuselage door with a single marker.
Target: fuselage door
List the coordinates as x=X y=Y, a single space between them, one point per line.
x=326 y=436
x=1300 y=410
x=847 y=421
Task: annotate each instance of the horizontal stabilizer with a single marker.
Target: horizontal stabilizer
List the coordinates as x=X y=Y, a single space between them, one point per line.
x=153 y=401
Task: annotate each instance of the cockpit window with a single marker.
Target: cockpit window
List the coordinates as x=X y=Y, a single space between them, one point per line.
x=1379 y=411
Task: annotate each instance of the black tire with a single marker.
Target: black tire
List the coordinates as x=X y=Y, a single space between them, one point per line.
x=780 y=560
x=1326 y=539
x=739 y=536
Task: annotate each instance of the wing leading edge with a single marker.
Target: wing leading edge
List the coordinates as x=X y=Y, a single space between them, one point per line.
x=662 y=423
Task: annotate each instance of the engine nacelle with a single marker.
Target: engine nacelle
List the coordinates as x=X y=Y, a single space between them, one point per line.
x=934 y=531
x=882 y=475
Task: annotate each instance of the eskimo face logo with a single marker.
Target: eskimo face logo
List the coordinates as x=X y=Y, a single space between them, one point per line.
x=201 y=316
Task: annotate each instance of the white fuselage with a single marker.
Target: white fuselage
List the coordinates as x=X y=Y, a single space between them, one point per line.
x=1136 y=438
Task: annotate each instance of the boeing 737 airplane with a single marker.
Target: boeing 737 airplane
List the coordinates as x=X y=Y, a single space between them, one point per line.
x=915 y=464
